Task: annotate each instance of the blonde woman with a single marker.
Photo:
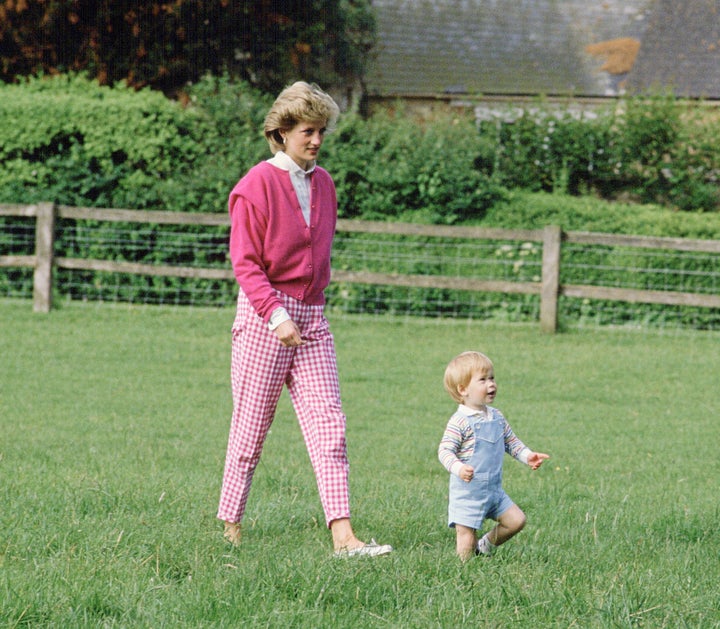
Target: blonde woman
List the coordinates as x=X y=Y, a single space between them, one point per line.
x=283 y=214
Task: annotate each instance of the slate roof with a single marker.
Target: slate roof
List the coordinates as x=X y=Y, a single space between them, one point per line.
x=680 y=49
x=520 y=47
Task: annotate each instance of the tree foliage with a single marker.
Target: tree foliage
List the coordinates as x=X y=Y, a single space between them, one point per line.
x=165 y=44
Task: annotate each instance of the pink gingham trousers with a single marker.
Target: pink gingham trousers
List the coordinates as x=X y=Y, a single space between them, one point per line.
x=260 y=367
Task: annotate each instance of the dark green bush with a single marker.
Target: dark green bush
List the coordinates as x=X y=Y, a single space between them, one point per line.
x=230 y=119
x=393 y=166
x=523 y=209
x=651 y=149
x=68 y=140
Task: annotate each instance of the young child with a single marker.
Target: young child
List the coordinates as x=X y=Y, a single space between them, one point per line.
x=472 y=449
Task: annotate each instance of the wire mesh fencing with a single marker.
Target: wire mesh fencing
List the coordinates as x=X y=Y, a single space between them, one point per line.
x=424 y=271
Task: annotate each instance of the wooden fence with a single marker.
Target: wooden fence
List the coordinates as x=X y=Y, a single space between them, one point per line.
x=549 y=288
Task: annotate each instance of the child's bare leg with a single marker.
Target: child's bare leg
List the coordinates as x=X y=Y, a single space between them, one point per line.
x=466 y=541
x=508 y=524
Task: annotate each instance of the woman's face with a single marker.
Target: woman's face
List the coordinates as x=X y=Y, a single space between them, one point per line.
x=303 y=142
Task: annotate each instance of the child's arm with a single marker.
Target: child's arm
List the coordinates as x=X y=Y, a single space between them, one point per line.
x=535 y=459
x=517 y=449
x=451 y=445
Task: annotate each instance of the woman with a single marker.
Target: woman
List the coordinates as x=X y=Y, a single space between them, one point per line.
x=283 y=214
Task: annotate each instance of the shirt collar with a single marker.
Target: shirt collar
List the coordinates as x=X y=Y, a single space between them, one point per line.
x=282 y=160
x=471 y=412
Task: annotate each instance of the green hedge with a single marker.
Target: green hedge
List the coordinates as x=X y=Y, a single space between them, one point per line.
x=393 y=167
x=522 y=209
x=69 y=140
x=652 y=148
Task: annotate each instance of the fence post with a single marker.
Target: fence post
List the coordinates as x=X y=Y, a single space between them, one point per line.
x=552 y=238
x=44 y=246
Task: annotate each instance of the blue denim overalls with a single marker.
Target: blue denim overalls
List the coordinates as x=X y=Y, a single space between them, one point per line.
x=483 y=497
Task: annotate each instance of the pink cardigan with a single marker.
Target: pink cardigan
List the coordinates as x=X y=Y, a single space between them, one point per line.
x=271 y=246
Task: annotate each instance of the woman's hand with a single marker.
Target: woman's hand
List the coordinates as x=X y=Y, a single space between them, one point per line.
x=289 y=334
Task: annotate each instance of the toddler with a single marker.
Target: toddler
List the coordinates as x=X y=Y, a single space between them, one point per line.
x=472 y=449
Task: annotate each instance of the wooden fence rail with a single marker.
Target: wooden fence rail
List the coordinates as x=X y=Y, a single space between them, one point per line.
x=549 y=288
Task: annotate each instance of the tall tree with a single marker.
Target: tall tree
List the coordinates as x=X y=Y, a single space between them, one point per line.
x=165 y=44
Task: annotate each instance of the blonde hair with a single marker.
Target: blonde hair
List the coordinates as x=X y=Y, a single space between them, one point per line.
x=461 y=370
x=299 y=102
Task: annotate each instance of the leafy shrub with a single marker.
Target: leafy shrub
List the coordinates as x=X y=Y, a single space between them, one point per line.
x=650 y=148
x=68 y=139
x=523 y=209
x=230 y=119
x=391 y=166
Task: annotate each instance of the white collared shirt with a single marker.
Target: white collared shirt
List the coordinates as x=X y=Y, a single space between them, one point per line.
x=300 y=180
x=473 y=412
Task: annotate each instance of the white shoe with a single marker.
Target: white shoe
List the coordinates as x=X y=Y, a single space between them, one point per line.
x=483 y=547
x=373 y=549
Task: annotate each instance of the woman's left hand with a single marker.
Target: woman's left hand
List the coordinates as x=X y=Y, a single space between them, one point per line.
x=289 y=334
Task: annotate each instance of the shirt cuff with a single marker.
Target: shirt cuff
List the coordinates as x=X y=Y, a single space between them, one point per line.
x=456 y=467
x=523 y=456
x=278 y=316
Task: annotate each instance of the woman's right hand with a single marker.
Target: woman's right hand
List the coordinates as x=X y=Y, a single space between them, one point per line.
x=289 y=334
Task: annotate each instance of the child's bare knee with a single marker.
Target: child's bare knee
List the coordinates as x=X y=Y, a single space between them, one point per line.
x=514 y=520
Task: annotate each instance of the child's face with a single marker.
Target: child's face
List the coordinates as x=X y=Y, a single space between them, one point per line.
x=480 y=390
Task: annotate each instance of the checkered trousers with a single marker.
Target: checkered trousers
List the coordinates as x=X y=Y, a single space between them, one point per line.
x=260 y=367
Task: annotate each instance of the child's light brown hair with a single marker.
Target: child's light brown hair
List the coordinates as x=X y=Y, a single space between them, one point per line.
x=461 y=370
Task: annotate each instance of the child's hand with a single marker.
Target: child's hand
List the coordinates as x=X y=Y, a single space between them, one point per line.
x=466 y=473
x=535 y=460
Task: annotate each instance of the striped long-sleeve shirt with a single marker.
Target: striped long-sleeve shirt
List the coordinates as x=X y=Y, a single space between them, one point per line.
x=458 y=440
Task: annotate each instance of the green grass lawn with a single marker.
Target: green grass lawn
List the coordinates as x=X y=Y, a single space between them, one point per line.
x=113 y=426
